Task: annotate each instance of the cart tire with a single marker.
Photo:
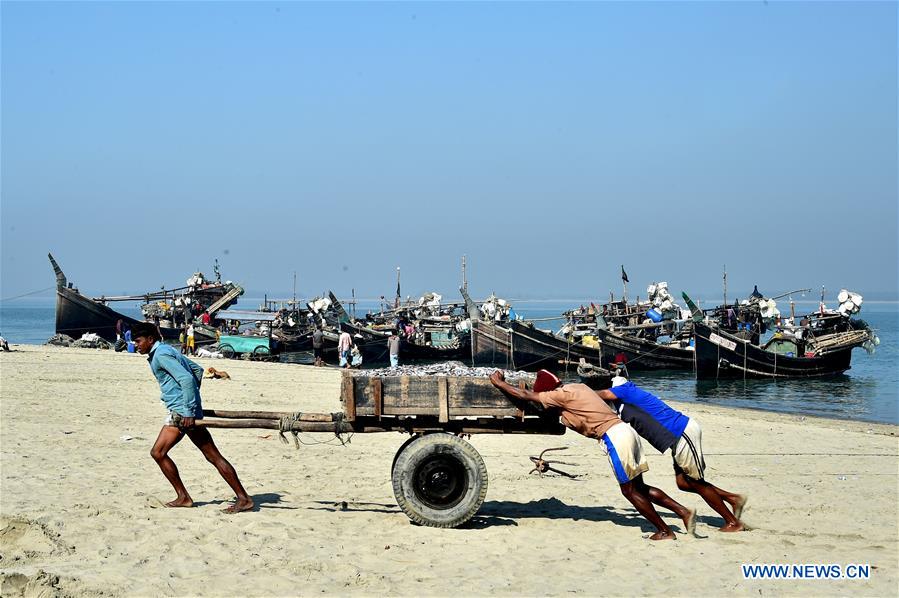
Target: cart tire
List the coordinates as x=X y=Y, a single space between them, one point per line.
x=227 y=351
x=439 y=480
x=409 y=441
x=258 y=351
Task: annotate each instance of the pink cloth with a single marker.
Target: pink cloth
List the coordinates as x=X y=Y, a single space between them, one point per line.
x=345 y=341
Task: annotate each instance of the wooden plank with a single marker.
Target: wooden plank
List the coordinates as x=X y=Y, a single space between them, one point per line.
x=303 y=417
x=435 y=410
x=268 y=424
x=425 y=395
x=377 y=397
x=391 y=410
x=349 y=397
x=443 y=398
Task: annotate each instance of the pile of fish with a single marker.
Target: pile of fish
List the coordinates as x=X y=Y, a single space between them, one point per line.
x=448 y=368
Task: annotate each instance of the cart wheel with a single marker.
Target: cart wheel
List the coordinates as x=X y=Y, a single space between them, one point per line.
x=258 y=351
x=409 y=441
x=227 y=351
x=439 y=480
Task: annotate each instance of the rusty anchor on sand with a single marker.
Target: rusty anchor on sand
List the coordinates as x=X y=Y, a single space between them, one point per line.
x=541 y=465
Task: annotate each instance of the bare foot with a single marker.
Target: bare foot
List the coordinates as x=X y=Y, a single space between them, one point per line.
x=732 y=527
x=240 y=505
x=690 y=522
x=740 y=504
x=180 y=502
x=669 y=535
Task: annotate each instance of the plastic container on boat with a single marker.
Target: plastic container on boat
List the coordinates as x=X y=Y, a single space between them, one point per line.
x=654 y=315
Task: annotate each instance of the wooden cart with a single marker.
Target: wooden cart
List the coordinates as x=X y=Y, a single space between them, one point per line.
x=439 y=479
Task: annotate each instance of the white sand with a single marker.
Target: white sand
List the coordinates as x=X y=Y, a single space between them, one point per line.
x=77 y=517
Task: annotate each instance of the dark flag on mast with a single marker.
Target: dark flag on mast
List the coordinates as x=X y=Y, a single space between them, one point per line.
x=624 y=274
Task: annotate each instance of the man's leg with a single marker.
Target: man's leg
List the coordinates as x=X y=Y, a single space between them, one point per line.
x=658 y=497
x=714 y=497
x=168 y=437
x=737 y=501
x=203 y=440
x=640 y=500
x=689 y=465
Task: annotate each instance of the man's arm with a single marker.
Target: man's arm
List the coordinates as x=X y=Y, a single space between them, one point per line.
x=185 y=379
x=607 y=395
x=197 y=370
x=522 y=394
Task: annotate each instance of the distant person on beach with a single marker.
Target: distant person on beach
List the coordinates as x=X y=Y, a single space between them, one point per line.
x=182 y=338
x=584 y=412
x=666 y=428
x=318 y=338
x=191 y=346
x=179 y=380
x=344 y=349
x=4 y=345
x=393 y=346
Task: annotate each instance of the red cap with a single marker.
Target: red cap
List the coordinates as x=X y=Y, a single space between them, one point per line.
x=546 y=380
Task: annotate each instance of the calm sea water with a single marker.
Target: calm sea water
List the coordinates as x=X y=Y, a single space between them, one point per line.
x=866 y=392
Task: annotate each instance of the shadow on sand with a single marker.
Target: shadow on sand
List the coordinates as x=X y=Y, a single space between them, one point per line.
x=506 y=512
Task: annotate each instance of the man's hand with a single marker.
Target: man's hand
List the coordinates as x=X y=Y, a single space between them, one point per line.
x=497 y=377
x=186 y=423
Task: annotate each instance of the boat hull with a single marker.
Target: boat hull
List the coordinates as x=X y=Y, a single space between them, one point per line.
x=720 y=355
x=491 y=345
x=77 y=315
x=414 y=352
x=640 y=354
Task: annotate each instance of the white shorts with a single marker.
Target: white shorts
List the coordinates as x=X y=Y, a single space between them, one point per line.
x=625 y=452
x=687 y=452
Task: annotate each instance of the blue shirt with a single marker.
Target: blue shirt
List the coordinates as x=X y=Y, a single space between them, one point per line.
x=655 y=421
x=179 y=380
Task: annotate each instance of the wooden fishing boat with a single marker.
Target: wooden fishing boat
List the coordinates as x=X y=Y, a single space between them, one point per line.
x=491 y=344
x=77 y=314
x=438 y=334
x=722 y=355
x=491 y=339
x=640 y=354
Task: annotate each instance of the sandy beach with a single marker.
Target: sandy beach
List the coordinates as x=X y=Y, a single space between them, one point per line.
x=80 y=500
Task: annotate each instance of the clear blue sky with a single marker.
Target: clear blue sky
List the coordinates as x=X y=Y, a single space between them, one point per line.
x=550 y=142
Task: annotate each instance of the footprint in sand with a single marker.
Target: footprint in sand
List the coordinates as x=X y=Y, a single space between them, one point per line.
x=39 y=584
x=22 y=539
x=155 y=503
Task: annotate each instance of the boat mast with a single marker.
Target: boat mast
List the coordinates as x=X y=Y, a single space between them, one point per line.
x=464 y=276
x=396 y=302
x=725 y=285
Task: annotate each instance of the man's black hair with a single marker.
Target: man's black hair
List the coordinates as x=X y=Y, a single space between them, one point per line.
x=147 y=329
